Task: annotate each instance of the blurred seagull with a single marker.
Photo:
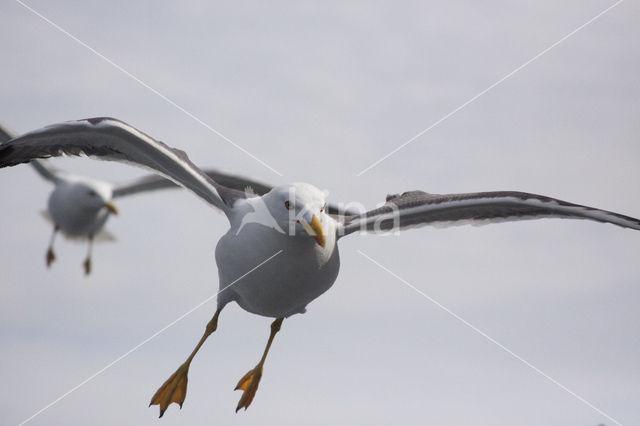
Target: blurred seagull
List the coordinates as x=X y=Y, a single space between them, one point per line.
x=274 y=267
x=79 y=206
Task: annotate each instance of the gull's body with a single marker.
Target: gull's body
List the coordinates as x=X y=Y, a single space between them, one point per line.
x=78 y=207
x=284 y=285
x=281 y=251
x=71 y=209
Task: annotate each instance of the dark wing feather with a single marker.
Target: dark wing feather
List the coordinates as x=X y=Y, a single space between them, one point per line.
x=112 y=139
x=417 y=208
x=45 y=170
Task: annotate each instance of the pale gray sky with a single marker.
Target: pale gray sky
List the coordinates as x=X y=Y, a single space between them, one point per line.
x=319 y=91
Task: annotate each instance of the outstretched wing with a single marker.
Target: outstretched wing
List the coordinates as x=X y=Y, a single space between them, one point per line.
x=45 y=169
x=112 y=139
x=236 y=182
x=418 y=208
x=154 y=182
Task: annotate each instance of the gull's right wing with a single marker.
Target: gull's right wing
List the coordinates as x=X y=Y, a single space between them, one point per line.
x=45 y=169
x=114 y=140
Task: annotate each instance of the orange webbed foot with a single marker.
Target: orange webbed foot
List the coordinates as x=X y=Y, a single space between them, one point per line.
x=174 y=389
x=249 y=385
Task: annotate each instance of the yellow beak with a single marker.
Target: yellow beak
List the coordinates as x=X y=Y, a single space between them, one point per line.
x=111 y=207
x=314 y=229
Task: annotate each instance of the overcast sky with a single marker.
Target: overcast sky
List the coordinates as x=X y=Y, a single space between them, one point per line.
x=319 y=91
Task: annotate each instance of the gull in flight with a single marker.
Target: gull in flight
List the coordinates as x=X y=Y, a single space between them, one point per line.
x=274 y=266
x=79 y=206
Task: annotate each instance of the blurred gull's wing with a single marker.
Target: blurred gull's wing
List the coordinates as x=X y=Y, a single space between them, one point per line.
x=5 y=134
x=47 y=171
x=237 y=182
x=154 y=182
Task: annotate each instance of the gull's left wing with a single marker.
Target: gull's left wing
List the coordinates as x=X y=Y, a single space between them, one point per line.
x=418 y=208
x=47 y=171
x=112 y=139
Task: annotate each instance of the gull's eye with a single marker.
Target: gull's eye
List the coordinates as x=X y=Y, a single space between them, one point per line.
x=93 y=193
x=323 y=208
x=288 y=205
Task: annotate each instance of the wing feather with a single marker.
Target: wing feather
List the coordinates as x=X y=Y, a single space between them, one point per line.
x=45 y=170
x=112 y=139
x=418 y=208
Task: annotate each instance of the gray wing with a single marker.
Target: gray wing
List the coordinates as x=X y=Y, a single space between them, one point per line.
x=154 y=182
x=45 y=169
x=48 y=171
x=235 y=182
x=418 y=208
x=111 y=139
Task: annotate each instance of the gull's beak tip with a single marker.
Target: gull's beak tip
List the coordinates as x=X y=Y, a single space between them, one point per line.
x=319 y=232
x=314 y=229
x=111 y=207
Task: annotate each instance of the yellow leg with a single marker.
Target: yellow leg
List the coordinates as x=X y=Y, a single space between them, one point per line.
x=174 y=389
x=250 y=381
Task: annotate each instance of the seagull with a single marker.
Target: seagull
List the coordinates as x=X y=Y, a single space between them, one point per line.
x=79 y=206
x=286 y=254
